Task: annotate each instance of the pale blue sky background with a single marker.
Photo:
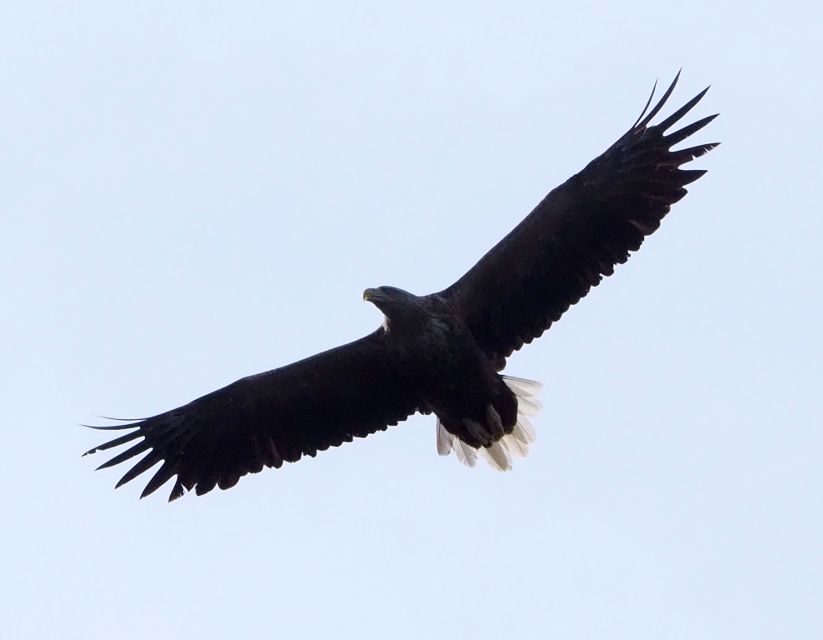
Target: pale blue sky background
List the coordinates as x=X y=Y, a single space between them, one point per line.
x=197 y=191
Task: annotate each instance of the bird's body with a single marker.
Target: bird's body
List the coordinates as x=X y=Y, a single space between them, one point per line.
x=450 y=374
x=441 y=353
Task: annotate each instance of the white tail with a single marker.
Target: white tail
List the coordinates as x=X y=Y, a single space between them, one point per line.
x=499 y=455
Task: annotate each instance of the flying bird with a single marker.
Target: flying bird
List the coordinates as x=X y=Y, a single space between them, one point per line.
x=440 y=353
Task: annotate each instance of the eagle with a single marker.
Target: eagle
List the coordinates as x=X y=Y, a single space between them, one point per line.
x=440 y=353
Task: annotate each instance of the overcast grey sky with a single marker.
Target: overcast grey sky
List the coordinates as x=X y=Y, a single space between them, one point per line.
x=197 y=191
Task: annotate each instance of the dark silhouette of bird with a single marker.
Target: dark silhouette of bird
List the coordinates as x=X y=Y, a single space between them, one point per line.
x=440 y=353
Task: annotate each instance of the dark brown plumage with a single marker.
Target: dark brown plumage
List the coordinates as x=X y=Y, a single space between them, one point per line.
x=439 y=353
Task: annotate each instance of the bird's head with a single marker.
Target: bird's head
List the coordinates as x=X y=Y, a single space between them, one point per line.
x=400 y=307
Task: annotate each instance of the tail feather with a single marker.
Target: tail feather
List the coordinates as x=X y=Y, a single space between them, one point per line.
x=515 y=444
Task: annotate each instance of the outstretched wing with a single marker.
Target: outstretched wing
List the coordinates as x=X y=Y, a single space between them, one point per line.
x=577 y=234
x=269 y=418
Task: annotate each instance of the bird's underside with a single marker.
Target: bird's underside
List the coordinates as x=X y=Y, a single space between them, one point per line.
x=440 y=353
